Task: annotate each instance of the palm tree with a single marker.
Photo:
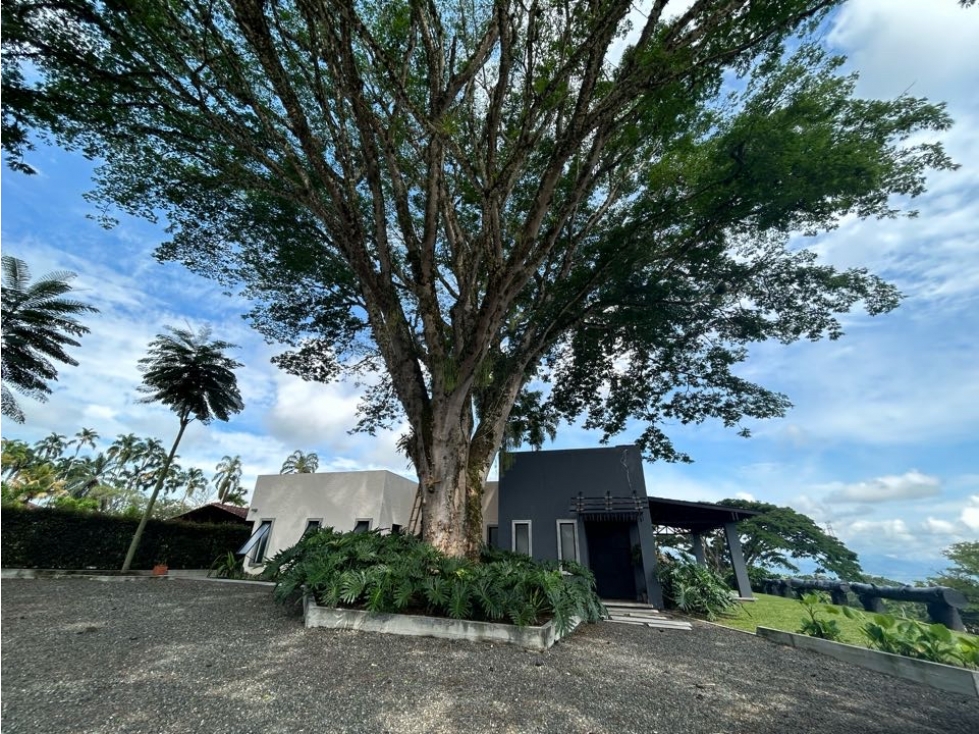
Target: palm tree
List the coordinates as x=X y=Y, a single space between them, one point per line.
x=85 y=437
x=193 y=377
x=227 y=478
x=300 y=463
x=195 y=485
x=51 y=446
x=37 y=326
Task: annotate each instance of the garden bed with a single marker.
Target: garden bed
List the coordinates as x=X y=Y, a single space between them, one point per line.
x=411 y=625
x=936 y=675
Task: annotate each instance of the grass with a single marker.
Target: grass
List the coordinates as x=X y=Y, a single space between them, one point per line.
x=784 y=614
x=777 y=612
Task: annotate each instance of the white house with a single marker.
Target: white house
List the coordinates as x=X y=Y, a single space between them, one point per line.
x=285 y=506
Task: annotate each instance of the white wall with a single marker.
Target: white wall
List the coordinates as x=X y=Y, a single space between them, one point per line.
x=337 y=499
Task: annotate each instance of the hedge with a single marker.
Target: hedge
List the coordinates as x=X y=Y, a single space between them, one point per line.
x=68 y=539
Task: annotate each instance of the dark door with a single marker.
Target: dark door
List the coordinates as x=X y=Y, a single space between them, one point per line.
x=610 y=559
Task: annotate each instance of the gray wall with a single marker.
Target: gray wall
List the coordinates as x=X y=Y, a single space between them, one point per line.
x=539 y=486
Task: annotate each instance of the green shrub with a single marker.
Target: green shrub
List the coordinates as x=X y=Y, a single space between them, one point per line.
x=66 y=539
x=228 y=566
x=913 y=639
x=693 y=588
x=816 y=626
x=402 y=574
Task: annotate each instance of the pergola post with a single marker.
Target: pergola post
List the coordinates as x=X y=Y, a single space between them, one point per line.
x=737 y=560
x=698 y=548
x=654 y=592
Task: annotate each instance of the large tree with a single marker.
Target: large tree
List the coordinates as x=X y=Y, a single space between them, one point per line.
x=469 y=195
x=963 y=575
x=780 y=536
x=39 y=322
x=190 y=374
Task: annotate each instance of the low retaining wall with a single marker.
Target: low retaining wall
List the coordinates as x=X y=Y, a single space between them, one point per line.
x=533 y=638
x=935 y=675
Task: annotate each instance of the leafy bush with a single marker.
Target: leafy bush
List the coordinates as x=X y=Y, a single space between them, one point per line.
x=694 y=588
x=816 y=626
x=65 y=539
x=228 y=566
x=401 y=574
x=913 y=639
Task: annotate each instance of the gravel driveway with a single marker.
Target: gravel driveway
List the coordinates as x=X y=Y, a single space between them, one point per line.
x=192 y=656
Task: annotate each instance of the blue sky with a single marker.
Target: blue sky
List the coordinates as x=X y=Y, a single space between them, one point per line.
x=882 y=442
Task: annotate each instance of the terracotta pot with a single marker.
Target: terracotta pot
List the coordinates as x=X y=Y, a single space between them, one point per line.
x=160 y=569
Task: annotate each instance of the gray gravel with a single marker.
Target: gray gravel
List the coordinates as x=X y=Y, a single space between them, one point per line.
x=190 y=656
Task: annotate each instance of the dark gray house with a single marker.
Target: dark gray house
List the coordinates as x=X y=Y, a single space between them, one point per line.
x=590 y=505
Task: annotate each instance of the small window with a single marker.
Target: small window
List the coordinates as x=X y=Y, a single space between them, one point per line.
x=362 y=526
x=258 y=543
x=493 y=536
x=395 y=529
x=312 y=526
x=567 y=540
x=522 y=542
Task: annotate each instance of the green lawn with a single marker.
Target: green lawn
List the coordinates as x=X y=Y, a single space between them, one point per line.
x=784 y=614
x=777 y=612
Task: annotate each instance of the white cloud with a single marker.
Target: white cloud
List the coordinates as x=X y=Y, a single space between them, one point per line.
x=747 y=496
x=970 y=513
x=933 y=526
x=928 y=49
x=910 y=485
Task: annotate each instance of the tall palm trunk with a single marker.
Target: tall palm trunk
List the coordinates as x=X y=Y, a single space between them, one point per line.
x=184 y=421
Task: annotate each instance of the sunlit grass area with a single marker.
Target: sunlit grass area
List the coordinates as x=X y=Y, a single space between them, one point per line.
x=784 y=614
x=787 y=615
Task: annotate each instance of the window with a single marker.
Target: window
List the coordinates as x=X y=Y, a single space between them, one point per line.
x=567 y=540
x=522 y=542
x=258 y=543
x=312 y=526
x=395 y=529
x=493 y=536
x=362 y=526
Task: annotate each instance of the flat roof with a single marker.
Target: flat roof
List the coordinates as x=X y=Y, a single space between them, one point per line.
x=695 y=517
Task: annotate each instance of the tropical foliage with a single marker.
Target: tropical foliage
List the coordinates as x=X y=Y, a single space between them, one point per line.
x=776 y=539
x=39 y=322
x=963 y=575
x=464 y=197
x=693 y=588
x=113 y=480
x=300 y=463
x=814 y=623
x=400 y=573
x=191 y=375
x=227 y=481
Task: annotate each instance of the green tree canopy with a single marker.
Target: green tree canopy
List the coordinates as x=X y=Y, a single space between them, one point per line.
x=38 y=323
x=467 y=196
x=963 y=575
x=780 y=536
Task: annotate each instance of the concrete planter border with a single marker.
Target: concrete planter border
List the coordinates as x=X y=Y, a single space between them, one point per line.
x=532 y=638
x=935 y=675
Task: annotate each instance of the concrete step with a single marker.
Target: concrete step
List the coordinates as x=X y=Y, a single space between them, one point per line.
x=654 y=623
x=626 y=604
